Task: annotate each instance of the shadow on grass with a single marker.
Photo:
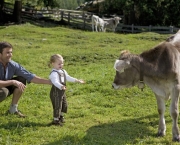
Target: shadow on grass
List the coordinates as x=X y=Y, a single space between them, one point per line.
x=42 y=22
x=20 y=124
x=118 y=133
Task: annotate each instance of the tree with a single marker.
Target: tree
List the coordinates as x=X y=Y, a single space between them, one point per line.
x=17 y=11
x=16 y=17
x=145 y=12
x=63 y=4
x=1 y=11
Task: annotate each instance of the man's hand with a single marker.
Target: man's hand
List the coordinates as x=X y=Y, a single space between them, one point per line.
x=19 y=85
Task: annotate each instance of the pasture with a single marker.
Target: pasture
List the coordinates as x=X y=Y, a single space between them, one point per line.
x=97 y=114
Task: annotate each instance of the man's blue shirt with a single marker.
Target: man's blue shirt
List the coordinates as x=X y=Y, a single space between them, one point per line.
x=14 y=69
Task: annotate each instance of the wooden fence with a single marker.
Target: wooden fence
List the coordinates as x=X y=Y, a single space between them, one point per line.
x=82 y=20
x=158 y=29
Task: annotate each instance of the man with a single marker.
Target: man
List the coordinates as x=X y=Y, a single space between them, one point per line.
x=13 y=78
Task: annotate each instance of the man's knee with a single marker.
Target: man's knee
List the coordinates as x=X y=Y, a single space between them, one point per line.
x=3 y=93
x=17 y=91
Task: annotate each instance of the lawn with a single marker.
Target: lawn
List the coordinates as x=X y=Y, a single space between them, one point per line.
x=97 y=114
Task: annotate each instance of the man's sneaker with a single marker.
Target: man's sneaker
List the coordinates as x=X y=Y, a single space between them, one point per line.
x=61 y=119
x=18 y=113
x=56 y=122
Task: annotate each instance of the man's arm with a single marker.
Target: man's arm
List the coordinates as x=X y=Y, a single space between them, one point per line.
x=6 y=83
x=18 y=84
x=38 y=80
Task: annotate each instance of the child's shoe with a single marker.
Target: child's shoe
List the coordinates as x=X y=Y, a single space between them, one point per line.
x=61 y=119
x=57 y=122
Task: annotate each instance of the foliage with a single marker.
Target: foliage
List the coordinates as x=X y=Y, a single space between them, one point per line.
x=138 y=12
x=63 y=4
x=146 y=12
x=97 y=114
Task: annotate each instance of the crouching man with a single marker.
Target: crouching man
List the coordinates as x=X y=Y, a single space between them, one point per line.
x=13 y=78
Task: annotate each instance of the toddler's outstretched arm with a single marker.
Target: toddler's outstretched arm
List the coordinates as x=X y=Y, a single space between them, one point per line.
x=80 y=81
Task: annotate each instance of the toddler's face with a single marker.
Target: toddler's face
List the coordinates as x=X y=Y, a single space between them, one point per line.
x=58 y=64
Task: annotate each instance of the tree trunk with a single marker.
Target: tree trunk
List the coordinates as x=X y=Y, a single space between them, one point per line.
x=17 y=11
x=1 y=11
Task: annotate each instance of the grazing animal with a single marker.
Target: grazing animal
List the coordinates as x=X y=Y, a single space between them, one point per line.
x=98 y=23
x=111 y=23
x=158 y=68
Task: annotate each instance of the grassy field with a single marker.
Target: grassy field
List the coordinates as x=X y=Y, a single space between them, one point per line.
x=97 y=114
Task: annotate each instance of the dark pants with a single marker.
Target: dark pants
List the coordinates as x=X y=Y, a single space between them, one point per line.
x=59 y=103
x=7 y=91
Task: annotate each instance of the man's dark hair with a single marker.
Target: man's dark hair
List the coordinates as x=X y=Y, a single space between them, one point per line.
x=4 y=45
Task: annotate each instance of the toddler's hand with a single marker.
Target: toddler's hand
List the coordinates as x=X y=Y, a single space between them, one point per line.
x=63 y=87
x=81 y=81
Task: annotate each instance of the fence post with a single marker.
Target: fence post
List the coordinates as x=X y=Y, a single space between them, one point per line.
x=132 y=28
x=69 y=18
x=84 y=19
x=150 y=28
x=62 y=13
x=171 y=29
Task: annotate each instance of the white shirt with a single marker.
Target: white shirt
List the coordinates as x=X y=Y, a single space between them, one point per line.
x=54 y=77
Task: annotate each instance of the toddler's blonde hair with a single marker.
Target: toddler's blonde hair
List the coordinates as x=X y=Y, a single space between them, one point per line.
x=55 y=57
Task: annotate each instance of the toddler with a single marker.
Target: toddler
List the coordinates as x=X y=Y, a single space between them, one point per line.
x=58 y=77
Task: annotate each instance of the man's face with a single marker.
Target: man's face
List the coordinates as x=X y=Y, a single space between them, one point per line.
x=6 y=55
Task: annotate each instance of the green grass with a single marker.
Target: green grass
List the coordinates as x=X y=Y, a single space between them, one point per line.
x=97 y=114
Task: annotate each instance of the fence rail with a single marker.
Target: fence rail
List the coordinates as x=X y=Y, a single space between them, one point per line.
x=82 y=20
x=158 y=29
